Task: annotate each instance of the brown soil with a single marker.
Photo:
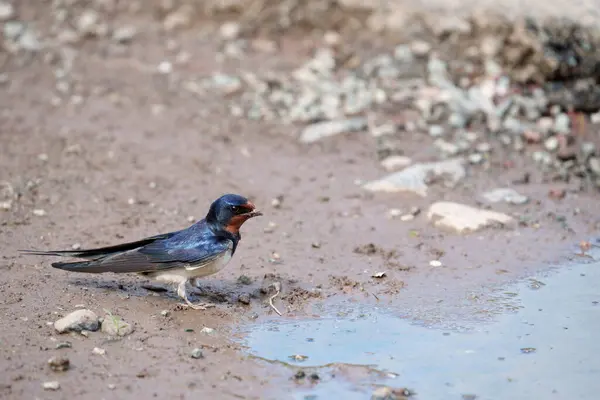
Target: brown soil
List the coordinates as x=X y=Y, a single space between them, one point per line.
x=331 y=237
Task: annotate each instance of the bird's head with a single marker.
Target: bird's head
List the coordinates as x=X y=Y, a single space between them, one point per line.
x=230 y=211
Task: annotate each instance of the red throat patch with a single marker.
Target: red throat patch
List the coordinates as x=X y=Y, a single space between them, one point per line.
x=235 y=223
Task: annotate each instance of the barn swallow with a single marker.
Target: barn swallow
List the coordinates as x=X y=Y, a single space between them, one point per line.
x=178 y=257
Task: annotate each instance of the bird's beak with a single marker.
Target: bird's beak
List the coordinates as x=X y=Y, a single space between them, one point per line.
x=254 y=213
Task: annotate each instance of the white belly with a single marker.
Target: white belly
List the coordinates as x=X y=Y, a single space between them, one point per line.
x=191 y=272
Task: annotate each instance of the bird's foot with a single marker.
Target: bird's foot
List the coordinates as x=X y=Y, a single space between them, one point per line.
x=182 y=292
x=194 y=306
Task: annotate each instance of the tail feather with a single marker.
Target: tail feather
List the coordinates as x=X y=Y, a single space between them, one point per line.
x=94 y=254
x=81 y=266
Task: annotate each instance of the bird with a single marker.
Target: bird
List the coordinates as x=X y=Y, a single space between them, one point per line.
x=179 y=257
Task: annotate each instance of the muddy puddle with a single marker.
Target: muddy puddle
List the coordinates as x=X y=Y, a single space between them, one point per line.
x=547 y=349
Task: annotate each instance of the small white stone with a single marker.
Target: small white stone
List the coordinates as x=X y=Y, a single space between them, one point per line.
x=463 y=218
x=98 y=351
x=230 y=30
x=131 y=201
x=435 y=263
x=38 y=212
x=207 y=330
x=7 y=11
x=165 y=67
x=52 y=385
x=395 y=163
x=395 y=212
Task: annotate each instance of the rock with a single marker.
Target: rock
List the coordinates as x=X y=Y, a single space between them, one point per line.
x=387 y=393
x=13 y=29
x=53 y=385
x=594 y=164
x=507 y=195
x=59 y=364
x=562 y=123
x=165 y=68
x=7 y=11
x=321 y=130
x=464 y=219
x=244 y=298
x=226 y=84
x=446 y=147
x=230 y=30
x=88 y=22
x=197 y=353
x=475 y=158
x=420 y=48
x=413 y=179
x=98 y=351
x=77 y=321
x=436 y=131
x=114 y=326
x=179 y=19
x=395 y=163
x=124 y=34
x=551 y=144
x=403 y=54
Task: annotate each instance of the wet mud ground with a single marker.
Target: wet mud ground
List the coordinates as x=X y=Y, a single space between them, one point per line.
x=115 y=170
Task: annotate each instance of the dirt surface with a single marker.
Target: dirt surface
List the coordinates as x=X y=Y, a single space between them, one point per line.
x=138 y=157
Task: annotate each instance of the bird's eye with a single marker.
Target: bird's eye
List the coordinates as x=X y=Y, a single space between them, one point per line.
x=234 y=209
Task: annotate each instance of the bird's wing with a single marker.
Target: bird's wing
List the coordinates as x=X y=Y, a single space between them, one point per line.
x=95 y=254
x=156 y=256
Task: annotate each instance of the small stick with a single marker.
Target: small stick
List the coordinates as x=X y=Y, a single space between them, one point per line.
x=277 y=287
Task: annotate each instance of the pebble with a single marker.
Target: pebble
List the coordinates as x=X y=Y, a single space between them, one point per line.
x=464 y=219
x=244 y=298
x=114 y=326
x=98 y=351
x=507 y=195
x=475 y=158
x=594 y=164
x=395 y=163
x=165 y=313
x=87 y=23
x=551 y=144
x=207 y=330
x=420 y=48
x=38 y=212
x=165 y=68
x=230 y=30
x=562 y=123
x=78 y=321
x=7 y=11
x=197 y=353
x=436 y=131
x=413 y=178
x=52 y=385
x=435 y=263
x=59 y=364
x=124 y=34
x=321 y=130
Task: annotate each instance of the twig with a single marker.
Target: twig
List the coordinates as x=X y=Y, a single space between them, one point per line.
x=277 y=287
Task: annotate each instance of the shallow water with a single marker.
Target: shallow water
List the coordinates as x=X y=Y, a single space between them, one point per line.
x=559 y=322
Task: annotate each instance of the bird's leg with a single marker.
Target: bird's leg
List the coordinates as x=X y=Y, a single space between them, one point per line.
x=182 y=292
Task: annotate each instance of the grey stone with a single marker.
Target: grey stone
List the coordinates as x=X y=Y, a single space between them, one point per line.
x=124 y=34
x=7 y=11
x=594 y=164
x=562 y=123
x=13 y=29
x=464 y=219
x=436 y=130
x=394 y=163
x=413 y=179
x=446 y=147
x=507 y=195
x=321 y=130
x=78 y=321
x=114 y=326
x=475 y=158
x=551 y=144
